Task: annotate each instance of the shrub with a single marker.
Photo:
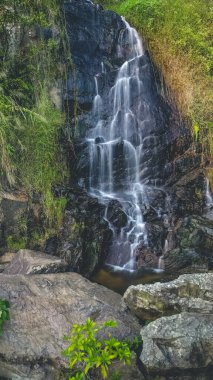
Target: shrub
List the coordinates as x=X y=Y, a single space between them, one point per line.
x=88 y=351
x=4 y=313
x=31 y=153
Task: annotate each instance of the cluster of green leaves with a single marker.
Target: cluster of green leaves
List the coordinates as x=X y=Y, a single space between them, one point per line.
x=4 y=314
x=30 y=125
x=179 y=36
x=88 y=351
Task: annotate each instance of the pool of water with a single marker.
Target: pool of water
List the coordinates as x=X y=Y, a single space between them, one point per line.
x=120 y=280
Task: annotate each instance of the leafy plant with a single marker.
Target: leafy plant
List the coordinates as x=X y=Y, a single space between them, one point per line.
x=4 y=313
x=88 y=351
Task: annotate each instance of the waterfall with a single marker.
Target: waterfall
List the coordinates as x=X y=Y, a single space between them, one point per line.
x=209 y=199
x=115 y=153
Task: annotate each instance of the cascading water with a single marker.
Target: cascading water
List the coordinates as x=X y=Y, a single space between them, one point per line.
x=115 y=153
x=209 y=199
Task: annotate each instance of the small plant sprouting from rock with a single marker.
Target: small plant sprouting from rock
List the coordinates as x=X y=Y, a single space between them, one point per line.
x=89 y=352
x=4 y=314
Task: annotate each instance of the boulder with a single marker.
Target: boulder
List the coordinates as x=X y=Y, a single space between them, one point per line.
x=188 y=293
x=42 y=309
x=179 y=347
x=32 y=262
x=5 y=260
x=116 y=215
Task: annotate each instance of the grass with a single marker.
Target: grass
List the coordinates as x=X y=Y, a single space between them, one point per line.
x=32 y=158
x=178 y=35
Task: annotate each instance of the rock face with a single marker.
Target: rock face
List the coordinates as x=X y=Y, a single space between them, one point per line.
x=43 y=309
x=191 y=293
x=31 y=262
x=93 y=35
x=86 y=236
x=194 y=241
x=177 y=345
x=170 y=168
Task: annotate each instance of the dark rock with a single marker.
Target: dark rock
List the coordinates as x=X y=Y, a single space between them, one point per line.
x=86 y=237
x=93 y=35
x=156 y=235
x=184 y=261
x=194 y=245
x=189 y=193
x=126 y=372
x=145 y=258
x=170 y=166
x=116 y=215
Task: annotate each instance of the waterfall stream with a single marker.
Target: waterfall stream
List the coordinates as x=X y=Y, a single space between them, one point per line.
x=209 y=199
x=116 y=150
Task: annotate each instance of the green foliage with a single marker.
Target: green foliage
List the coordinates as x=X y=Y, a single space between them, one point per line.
x=88 y=351
x=14 y=245
x=116 y=376
x=4 y=314
x=30 y=124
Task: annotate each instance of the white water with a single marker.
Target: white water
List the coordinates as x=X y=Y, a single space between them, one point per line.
x=209 y=199
x=115 y=158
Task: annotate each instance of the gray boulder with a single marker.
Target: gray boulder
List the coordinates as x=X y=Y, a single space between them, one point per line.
x=32 y=262
x=189 y=292
x=179 y=347
x=43 y=309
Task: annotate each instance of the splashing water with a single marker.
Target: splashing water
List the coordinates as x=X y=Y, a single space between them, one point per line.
x=209 y=199
x=115 y=153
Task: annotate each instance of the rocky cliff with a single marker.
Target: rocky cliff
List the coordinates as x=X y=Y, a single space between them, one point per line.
x=170 y=167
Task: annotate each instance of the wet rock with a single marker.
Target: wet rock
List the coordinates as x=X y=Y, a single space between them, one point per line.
x=145 y=258
x=179 y=347
x=169 y=166
x=31 y=262
x=189 y=193
x=191 y=293
x=194 y=245
x=86 y=236
x=156 y=235
x=116 y=215
x=93 y=35
x=184 y=261
x=43 y=308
